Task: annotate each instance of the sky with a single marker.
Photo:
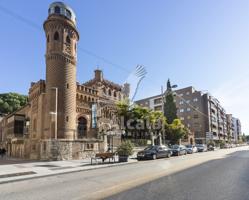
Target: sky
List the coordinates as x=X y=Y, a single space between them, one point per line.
x=204 y=44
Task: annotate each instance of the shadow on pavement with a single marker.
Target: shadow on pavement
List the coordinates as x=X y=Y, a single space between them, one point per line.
x=219 y=179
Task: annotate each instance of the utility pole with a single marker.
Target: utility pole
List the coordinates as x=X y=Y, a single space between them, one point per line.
x=163 y=130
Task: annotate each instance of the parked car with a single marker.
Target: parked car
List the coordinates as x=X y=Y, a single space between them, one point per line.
x=154 y=152
x=178 y=150
x=191 y=148
x=211 y=147
x=201 y=147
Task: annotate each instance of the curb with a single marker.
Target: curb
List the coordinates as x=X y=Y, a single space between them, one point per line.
x=60 y=173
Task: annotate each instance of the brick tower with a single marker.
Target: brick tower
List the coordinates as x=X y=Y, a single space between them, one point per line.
x=61 y=56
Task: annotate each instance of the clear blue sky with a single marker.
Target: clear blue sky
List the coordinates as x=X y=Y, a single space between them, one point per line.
x=200 y=43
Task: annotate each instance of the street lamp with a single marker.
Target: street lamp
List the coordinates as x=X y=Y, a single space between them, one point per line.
x=174 y=86
x=27 y=124
x=56 y=111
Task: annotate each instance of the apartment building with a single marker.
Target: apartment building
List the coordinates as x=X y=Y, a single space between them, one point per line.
x=230 y=128
x=236 y=129
x=199 y=111
x=217 y=121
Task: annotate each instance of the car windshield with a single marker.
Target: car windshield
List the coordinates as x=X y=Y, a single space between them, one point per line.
x=189 y=146
x=174 y=146
x=150 y=148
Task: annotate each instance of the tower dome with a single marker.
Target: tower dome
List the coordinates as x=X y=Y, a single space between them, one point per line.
x=60 y=8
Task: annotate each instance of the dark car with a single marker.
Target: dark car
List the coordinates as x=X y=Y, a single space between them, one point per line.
x=201 y=147
x=178 y=150
x=211 y=148
x=154 y=152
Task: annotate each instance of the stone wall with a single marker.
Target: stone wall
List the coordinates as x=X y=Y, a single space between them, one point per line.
x=69 y=150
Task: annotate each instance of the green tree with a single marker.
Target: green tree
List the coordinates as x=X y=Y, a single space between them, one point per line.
x=244 y=138
x=158 y=121
x=176 y=131
x=170 y=111
x=142 y=120
x=139 y=116
x=126 y=148
x=10 y=102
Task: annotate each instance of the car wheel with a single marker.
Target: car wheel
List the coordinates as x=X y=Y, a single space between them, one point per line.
x=168 y=156
x=154 y=157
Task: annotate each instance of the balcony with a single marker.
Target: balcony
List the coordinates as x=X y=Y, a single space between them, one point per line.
x=157 y=101
x=215 y=136
x=212 y=106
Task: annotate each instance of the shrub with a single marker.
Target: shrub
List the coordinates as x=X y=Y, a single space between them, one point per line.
x=125 y=149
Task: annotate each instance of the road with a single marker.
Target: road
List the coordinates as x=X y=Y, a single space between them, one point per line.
x=222 y=179
x=216 y=175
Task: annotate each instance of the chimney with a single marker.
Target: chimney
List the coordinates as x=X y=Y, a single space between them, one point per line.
x=98 y=75
x=126 y=89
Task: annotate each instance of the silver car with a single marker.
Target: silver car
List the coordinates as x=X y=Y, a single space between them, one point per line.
x=191 y=149
x=201 y=147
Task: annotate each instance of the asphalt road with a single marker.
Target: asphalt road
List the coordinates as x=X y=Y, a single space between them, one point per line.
x=215 y=175
x=222 y=179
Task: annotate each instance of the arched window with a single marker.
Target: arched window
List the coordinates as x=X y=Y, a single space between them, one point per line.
x=104 y=90
x=82 y=127
x=110 y=92
x=48 y=39
x=57 y=10
x=68 y=13
x=56 y=36
x=115 y=94
x=68 y=40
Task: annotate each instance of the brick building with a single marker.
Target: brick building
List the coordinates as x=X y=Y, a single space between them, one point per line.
x=199 y=111
x=63 y=118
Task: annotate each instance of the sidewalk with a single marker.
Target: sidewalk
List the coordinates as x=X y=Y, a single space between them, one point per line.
x=29 y=170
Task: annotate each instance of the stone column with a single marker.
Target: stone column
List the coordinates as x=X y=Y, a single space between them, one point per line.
x=105 y=142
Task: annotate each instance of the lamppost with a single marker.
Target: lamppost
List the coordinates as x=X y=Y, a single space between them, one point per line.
x=27 y=124
x=56 y=111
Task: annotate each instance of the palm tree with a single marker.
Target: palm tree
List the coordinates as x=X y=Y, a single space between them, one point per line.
x=139 y=120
